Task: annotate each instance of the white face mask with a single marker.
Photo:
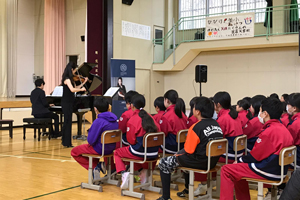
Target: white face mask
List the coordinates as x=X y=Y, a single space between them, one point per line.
x=261 y=120
x=287 y=110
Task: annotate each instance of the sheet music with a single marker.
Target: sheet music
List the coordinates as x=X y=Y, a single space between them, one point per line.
x=58 y=91
x=111 y=91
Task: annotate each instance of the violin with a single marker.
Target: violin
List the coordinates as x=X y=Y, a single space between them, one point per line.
x=78 y=78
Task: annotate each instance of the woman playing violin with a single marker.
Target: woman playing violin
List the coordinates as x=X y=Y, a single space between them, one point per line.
x=67 y=101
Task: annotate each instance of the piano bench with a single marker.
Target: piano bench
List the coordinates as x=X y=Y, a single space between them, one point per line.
x=37 y=123
x=9 y=127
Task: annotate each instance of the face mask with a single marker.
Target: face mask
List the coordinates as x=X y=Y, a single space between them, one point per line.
x=287 y=110
x=261 y=120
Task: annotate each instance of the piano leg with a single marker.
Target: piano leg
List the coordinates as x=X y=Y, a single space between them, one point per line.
x=79 y=135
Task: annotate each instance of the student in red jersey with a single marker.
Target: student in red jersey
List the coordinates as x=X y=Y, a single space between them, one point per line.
x=175 y=119
x=231 y=128
x=229 y=122
x=263 y=161
x=138 y=125
x=192 y=119
x=253 y=127
x=126 y=116
x=293 y=107
x=160 y=108
x=242 y=108
x=193 y=153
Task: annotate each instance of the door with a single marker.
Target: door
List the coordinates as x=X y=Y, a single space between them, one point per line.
x=158 y=45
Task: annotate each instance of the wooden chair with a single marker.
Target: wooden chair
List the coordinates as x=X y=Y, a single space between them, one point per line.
x=287 y=156
x=9 y=122
x=149 y=140
x=181 y=137
x=107 y=137
x=239 y=144
x=213 y=148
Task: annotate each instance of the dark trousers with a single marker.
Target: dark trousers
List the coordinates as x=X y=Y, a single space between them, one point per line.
x=67 y=127
x=52 y=116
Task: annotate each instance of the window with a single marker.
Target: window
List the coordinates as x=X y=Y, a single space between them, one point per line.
x=258 y=5
x=196 y=8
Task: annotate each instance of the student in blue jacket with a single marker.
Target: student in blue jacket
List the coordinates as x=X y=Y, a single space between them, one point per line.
x=105 y=121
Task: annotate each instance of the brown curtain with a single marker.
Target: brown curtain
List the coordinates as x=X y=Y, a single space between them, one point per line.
x=54 y=43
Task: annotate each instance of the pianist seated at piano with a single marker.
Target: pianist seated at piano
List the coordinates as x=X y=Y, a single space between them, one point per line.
x=40 y=106
x=105 y=121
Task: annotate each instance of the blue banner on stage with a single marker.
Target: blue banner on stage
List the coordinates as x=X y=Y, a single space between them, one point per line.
x=123 y=77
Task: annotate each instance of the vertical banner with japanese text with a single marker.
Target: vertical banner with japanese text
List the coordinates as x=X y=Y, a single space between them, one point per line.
x=230 y=26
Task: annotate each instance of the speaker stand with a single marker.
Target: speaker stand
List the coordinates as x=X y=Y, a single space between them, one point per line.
x=200 y=90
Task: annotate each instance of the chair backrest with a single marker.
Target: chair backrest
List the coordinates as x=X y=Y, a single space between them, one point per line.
x=240 y=143
x=287 y=155
x=181 y=135
x=111 y=136
x=153 y=139
x=217 y=147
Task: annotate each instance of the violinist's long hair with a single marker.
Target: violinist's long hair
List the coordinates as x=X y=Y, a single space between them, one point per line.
x=68 y=73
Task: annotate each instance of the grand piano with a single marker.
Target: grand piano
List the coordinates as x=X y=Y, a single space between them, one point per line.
x=83 y=101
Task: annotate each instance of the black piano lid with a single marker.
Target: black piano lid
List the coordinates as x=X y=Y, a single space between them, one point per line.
x=85 y=69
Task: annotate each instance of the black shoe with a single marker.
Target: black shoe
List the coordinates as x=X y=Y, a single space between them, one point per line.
x=184 y=193
x=56 y=134
x=161 y=198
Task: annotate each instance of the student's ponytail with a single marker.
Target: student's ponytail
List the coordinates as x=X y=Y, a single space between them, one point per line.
x=249 y=114
x=172 y=96
x=224 y=99
x=148 y=124
x=192 y=105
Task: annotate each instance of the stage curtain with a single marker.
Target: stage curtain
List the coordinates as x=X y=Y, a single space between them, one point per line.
x=12 y=24
x=3 y=47
x=54 y=43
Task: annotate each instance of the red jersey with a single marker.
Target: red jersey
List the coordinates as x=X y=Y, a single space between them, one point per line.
x=158 y=116
x=124 y=119
x=243 y=117
x=176 y=123
x=253 y=128
x=191 y=121
x=294 y=128
x=285 y=119
x=230 y=127
x=135 y=128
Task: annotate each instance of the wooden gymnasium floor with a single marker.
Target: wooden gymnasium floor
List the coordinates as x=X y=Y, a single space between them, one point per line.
x=45 y=170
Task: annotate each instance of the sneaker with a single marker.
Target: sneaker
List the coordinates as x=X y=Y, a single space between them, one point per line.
x=96 y=173
x=269 y=197
x=102 y=167
x=161 y=198
x=184 y=193
x=143 y=176
x=201 y=189
x=125 y=180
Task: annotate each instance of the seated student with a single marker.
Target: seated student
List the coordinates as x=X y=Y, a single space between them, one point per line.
x=176 y=120
x=105 y=121
x=126 y=116
x=160 y=108
x=231 y=128
x=242 y=108
x=263 y=161
x=40 y=106
x=293 y=107
x=192 y=119
x=138 y=125
x=193 y=155
x=253 y=127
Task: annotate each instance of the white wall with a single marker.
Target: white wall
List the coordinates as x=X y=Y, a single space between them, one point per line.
x=25 y=47
x=241 y=73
